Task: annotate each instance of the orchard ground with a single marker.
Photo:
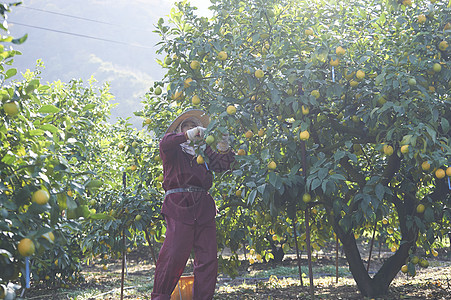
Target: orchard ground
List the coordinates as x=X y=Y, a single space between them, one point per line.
x=261 y=280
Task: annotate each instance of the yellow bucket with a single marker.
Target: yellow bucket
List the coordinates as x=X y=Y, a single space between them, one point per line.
x=184 y=289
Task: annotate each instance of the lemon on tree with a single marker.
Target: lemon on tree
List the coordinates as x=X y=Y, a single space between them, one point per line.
x=306 y=198
x=210 y=139
x=420 y=208
x=437 y=67
x=241 y=151
x=49 y=236
x=404 y=149
x=443 y=45
x=40 y=197
x=360 y=75
x=315 y=93
x=11 y=108
x=158 y=91
x=200 y=160
x=304 y=135
x=259 y=73
x=334 y=62
x=272 y=165
x=187 y=82
x=340 y=50
x=222 y=55
x=195 y=65
x=404 y=269
x=388 y=150
x=440 y=173
x=195 y=100
x=231 y=109
x=448 y=171
x=425 y=166
x=26 y=247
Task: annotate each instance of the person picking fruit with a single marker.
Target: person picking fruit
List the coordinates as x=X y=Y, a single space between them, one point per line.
x=188 y=208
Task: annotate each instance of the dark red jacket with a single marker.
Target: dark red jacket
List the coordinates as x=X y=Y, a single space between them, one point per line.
x=182 y=170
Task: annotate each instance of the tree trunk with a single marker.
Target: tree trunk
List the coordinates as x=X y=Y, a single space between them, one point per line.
x=378 y=285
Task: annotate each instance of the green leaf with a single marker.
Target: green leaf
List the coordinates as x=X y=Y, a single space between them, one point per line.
x=89 y=106
x=49 y=127
x=380 y=191
x=20 y=40
x=48 y=109
x=251 y=198
x=10 y=73
x=35 y=132
x=100 y=216
x=445 y=125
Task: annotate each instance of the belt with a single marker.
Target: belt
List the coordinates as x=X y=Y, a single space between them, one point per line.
x=189 y=189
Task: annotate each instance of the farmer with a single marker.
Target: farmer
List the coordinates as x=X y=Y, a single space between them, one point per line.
x=188 y=208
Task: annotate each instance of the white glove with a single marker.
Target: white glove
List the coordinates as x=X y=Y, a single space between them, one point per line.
x=223 y=145
x=195 y=134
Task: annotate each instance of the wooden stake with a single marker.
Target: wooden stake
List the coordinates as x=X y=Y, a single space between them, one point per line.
x=371 y=246
x=297 y=250
x=309 y=252
x=124 y=253
x=336 y=258
x=149 y=241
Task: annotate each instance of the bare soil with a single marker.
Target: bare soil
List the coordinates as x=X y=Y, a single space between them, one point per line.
x=260 y=280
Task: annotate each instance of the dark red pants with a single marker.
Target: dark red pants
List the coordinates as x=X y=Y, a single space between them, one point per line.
x=180 y=239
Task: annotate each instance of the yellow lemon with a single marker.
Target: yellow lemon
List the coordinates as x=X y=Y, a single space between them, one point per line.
x=335 y=62
x=421 y=19
x=448 y=171
x=272 y=165
x=425 y=166
x=304 y=135
x=259 y=73
x=249 y=134
x=360 y=75
x=241 y=152
x=340 y=50
x=315 y=93
x=187 y=82
x=40 y=197
x=420 y=208
x=11 y=108
x=231 y=110
x=195 y=100
x=222 y=55
x=195 y=65
x=404 y=269
x=200 y=160
x=443 y=45
x=440 y=173
x=26 y=247
x=404 y=149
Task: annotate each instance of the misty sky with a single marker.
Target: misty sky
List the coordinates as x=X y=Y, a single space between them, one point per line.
x=110 y=40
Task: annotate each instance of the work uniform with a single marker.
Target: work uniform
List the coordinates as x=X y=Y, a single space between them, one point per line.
x=189 y=211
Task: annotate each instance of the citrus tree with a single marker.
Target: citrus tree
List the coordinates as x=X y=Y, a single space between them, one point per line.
x=50 y=141
x=342 y=106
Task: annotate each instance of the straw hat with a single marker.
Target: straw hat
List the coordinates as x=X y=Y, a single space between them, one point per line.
x=196 y=113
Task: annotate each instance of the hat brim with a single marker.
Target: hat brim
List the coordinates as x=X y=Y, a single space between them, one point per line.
x=196 y=113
